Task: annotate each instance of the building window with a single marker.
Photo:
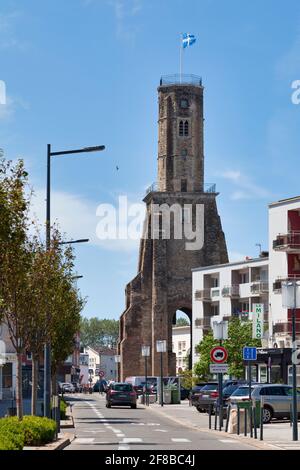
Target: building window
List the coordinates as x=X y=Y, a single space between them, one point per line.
x=181 y=128
x=183 y=186
x=184 y=152
x=184 y=103
x=186 y=128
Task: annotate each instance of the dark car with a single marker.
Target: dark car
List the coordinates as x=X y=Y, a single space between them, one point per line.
x=207 y=398
x=229 y=387
x=120 y=394
x=184 y=393
x=140 y=389
x=196 y=390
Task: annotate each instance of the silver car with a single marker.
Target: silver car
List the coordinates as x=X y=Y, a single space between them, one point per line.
x=277 y=399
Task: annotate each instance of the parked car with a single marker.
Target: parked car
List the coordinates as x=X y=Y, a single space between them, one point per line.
x=121 y=394
x=207 y=397
x=195 y=392
x=66 y=387
x=277 y=399
x=140 y=389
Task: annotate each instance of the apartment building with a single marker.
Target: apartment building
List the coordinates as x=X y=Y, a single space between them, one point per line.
x=181 y=344
x=227 y=290
x=284 y=245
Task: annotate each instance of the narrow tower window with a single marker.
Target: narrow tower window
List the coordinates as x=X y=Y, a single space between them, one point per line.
x=186 y=128
x=181 y=128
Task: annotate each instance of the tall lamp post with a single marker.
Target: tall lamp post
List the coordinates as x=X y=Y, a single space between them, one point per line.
x=47 y=353
x=291 y=299
x=161 y=347
x=146 y=354
x=117 y=361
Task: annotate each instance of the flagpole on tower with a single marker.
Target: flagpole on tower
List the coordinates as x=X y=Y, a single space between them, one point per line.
x=180 y=60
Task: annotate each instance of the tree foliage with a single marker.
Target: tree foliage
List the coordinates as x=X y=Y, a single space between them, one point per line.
x=99 y=333
x=239 y=335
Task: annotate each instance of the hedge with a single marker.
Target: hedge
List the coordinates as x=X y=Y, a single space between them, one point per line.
x=63 y=409
x=31 y=431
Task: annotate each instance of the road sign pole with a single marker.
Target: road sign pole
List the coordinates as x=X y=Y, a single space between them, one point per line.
x=220 y=376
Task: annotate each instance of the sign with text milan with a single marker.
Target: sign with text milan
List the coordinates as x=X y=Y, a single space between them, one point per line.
x=218 y=355
x=258 y=321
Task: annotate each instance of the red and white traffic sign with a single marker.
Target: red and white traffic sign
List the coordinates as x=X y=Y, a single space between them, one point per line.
x=218 y=355
x=101 y=373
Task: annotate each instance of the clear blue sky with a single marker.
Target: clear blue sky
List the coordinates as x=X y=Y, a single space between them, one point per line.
x=85 y=72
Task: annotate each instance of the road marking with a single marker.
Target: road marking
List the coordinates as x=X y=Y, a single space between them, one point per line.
x=175 y=439
x=91 y=432
x=160 y=430
x=130 y=440
x=124 y=447
x=228 y=441
x=120 y=435
x=84 y=440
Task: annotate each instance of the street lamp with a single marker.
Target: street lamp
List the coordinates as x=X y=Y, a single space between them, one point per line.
x=145 y=354
x=70 y=242
x=161 y=347
x=47 y=353
x=117 y=361
x=291 y=299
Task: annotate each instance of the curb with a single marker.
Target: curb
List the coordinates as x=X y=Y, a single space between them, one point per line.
x=67 y=423
x=251 y=442
x=60 y=444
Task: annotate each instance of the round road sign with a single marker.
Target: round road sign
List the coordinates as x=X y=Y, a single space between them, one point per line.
x=218 y=355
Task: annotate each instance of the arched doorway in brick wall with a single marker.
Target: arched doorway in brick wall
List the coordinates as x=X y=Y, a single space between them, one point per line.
x=182 y=339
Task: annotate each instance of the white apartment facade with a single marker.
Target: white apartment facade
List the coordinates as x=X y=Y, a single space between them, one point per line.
x=226 y=290
x=284 y=254
x=181 y=344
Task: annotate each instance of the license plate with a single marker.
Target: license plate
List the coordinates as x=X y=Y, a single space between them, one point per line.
x=122 y=396
x=205 y=396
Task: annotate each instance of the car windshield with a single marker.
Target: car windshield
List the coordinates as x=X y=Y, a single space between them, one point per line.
x=229 y=389
x=241 y=391
x=122 y=387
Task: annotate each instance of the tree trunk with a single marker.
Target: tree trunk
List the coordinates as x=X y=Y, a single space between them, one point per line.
x=35 y=374
x=19 y=392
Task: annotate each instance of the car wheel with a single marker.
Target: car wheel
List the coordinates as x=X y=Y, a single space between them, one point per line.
x=108 y=405
x=267 y=415
x=133 y=407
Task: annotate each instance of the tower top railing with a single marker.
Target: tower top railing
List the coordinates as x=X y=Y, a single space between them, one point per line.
x=182 y=79
x=207 y=188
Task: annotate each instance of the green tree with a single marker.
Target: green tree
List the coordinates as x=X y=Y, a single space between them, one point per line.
x=15 y=259
x=182 y=322
x=98 y=333
x=239 y=335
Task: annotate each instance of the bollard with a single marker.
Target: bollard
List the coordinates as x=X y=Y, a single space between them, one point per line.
x=216 y=419
x=261 y=423
x=245 y=422
x=220 y=416
x=291 y=415
x=254 y=422
x=209 y=417
x=227 y=417
x=251 y=420
x=238 y=420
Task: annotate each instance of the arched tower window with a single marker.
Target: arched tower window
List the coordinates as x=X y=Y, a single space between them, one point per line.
x=181 y=128
x=186 y=128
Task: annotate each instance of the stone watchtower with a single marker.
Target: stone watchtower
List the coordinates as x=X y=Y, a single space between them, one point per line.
x=163 y=284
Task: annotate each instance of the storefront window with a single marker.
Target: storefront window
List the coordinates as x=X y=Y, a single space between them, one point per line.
x=290 y=381
x=263 y=374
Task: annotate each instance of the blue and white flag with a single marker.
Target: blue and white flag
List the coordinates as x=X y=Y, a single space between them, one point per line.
x=188 y=40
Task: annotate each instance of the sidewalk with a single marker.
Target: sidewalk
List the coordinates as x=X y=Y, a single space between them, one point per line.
x=277 y=435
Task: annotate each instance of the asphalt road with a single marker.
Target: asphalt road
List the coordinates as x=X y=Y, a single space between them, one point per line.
x=121 y=428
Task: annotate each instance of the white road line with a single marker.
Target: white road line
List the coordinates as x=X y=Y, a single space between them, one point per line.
x=131 y=440
x=227 y=441
x=160 y=430
x=120 y=435
x=175 y=439
x=124 y=447
x=84 y=440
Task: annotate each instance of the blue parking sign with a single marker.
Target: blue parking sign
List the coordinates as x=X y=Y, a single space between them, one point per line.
x=249 y=353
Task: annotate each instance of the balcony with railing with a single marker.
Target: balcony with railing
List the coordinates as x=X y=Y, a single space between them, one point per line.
x=180 y=79
x=204 y=322
x=285 y=327
x=277 y=284
x=259 y=287
x=289 y=242
x=231 y=291
x=203 y=295
x=210 y=188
